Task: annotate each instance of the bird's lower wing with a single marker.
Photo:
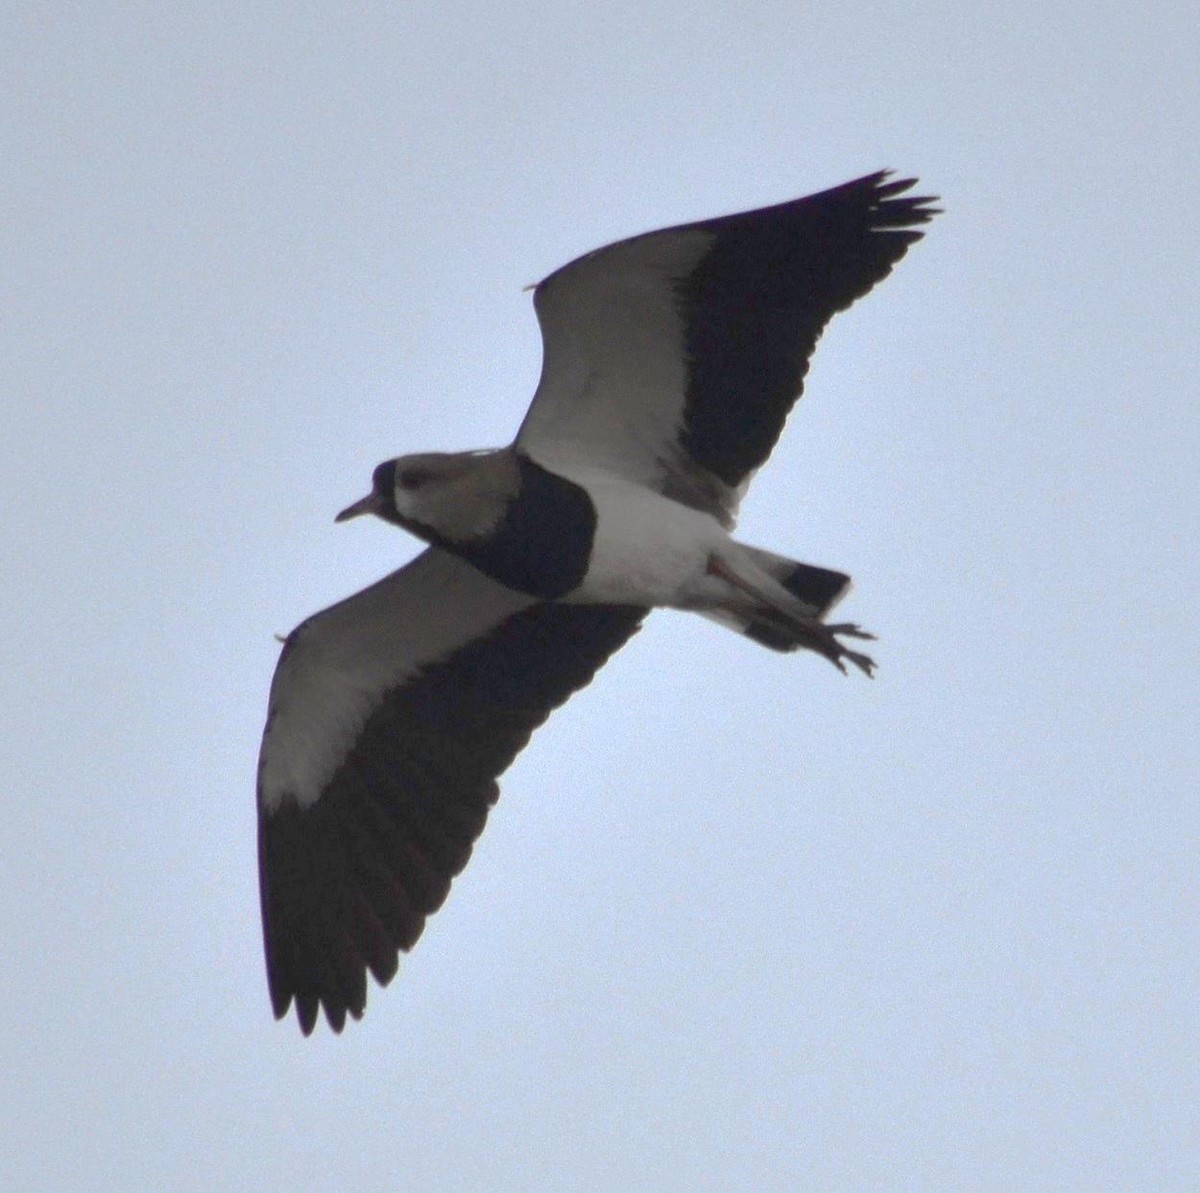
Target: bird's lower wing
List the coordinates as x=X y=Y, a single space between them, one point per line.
x=391 y=716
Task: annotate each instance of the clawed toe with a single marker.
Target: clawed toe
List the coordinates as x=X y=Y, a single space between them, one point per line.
x=835 y=652
x=863 y=662
x=850 y=630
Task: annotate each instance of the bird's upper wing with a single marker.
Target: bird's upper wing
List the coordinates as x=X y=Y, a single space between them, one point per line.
x=391 y=716
x=673 y=358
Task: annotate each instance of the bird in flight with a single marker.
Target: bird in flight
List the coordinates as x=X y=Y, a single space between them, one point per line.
x=670 y=363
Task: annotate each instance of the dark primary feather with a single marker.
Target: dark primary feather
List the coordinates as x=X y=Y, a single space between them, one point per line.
x=742 y=298
x=347 y=883
x=758 y=301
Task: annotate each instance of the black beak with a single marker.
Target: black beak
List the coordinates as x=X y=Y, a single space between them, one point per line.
x=367 y=505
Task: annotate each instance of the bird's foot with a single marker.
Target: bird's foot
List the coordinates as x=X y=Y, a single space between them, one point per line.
x=837 y=653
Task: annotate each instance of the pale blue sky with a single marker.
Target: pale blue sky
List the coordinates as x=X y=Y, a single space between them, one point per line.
x=737 y=922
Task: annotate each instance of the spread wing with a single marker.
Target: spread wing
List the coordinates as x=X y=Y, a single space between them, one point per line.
x=674 y=358
x=391 y=716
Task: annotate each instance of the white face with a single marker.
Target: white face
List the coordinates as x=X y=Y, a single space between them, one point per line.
x=416 y=476
x=458 y=495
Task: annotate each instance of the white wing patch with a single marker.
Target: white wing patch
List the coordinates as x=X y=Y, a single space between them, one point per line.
x=614 y=373
x=318 y=708
x=342 y=663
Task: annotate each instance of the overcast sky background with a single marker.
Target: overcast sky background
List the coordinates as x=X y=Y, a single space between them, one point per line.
x=737 y=921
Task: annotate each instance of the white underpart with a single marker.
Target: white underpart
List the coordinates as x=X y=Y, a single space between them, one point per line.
x=342 y=665
x=647 y=549
x=650 y=550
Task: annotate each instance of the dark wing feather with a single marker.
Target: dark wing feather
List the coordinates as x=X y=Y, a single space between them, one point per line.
x=758 y=302
x=361 y=835
x=673 y=358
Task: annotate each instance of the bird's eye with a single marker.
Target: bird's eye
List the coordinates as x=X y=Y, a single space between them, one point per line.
x=411 y=478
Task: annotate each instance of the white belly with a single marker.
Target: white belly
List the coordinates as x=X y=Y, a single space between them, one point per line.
x=648 y=550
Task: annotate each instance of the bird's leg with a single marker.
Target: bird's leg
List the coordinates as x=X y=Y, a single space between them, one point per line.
x=806 y=631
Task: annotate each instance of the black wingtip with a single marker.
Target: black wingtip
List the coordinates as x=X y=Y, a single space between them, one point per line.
x=911 y=209
x=306 y=1013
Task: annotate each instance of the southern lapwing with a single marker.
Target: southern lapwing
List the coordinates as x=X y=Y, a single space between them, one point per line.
x=671 y=361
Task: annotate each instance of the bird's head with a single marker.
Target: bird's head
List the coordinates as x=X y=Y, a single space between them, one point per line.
x=446 y=497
